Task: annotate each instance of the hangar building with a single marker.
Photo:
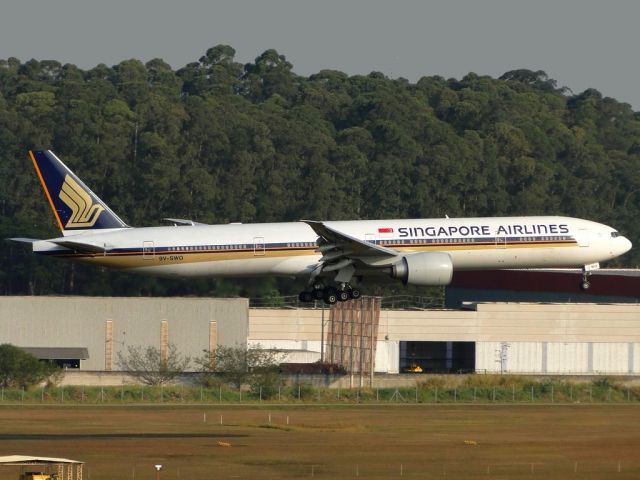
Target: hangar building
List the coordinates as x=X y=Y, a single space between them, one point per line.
x=89 y=332
x=554 y=338
x=484 y=337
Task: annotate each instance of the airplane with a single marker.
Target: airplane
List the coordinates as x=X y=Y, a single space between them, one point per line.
x=333 y=256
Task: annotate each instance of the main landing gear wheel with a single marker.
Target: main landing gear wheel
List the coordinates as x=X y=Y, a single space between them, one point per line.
x=330 y=295
x=343 y=295
x=306 y=297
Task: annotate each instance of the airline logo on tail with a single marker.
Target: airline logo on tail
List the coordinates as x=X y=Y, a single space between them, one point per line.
x=84 y=213
x=75 y=207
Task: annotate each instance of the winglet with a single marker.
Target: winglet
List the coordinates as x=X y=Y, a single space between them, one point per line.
x=75 y=207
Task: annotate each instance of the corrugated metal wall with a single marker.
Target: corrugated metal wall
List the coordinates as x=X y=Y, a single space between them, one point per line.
x=558 y=358
x=568 y=358
x=90 y=321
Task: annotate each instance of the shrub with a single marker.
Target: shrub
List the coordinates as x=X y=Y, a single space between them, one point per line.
x=21 y=369
x=148 y=365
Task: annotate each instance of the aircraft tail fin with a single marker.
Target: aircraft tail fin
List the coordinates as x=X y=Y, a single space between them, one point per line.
x=76 y=208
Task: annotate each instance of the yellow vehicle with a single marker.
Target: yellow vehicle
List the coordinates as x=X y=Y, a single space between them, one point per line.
x=37 y=476
x=413 y=368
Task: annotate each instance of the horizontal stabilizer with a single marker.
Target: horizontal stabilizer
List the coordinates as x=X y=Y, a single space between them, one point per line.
x=23 y=240
x=80 y=246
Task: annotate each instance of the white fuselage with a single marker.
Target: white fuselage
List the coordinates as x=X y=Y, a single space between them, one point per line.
x=289 y=249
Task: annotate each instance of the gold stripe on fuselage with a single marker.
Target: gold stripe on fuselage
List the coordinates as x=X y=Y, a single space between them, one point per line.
x=125 y=260
x=136 y=259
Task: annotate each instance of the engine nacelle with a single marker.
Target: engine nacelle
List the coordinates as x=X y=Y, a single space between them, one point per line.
x=424 y=268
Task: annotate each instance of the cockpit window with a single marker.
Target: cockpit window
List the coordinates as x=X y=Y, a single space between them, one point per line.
x=615 y=234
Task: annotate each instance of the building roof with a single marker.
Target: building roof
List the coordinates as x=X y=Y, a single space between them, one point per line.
x=27 y=460
x=604 y=282
x=58 y=353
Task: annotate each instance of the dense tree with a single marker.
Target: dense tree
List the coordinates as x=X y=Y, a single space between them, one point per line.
x=218 y=141
x=21 y=369
x=240 y=365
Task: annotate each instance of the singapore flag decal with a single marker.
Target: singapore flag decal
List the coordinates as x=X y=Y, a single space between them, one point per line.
x=385 y=230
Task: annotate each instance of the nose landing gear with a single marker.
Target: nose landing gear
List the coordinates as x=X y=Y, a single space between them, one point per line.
x=586 y=272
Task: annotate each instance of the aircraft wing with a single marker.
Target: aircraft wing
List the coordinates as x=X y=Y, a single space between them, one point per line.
x=182 y=221
x=334 y=239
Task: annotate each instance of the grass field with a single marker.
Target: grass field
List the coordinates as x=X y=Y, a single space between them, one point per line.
x=326 y=442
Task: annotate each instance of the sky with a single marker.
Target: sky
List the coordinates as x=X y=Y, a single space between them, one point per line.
x=579 y=43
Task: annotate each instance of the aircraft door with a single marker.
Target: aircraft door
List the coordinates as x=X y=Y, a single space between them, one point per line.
x=583 y=237
x=501 y=242
x=258 y=246
x=370 y=237
x=148 y=250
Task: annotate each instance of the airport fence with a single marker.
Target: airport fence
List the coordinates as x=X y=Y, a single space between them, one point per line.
x=547 y=392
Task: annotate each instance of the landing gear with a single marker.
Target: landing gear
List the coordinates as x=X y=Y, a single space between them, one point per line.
x=347 y=292
x=306 y=297
x=330 y=295
x=586 y=271
x=343 y=295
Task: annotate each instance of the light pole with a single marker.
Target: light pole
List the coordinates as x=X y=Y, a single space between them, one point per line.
x=158 y=468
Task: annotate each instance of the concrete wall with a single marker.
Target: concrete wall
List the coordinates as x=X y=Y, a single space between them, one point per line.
x=116 y=379
x=541 y=338
x=82 y=322
x=510 y=322
x=294 y=326
x=522 y=322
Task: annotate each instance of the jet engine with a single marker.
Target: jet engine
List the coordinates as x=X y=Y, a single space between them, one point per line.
x=424 y=268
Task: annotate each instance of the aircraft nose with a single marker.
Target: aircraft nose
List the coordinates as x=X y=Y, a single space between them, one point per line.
x=625 y=245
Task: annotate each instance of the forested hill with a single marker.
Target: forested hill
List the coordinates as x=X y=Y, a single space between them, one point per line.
x=217 y=141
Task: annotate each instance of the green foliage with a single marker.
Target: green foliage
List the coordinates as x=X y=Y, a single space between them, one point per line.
x=150 y=366
x=266 y=384
x=497 y=381
x=241 y=365
x=21 y=369
x=288 y=389
x=303 y=391
x=218 y=141
x=435 y=382
x=604 y=382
